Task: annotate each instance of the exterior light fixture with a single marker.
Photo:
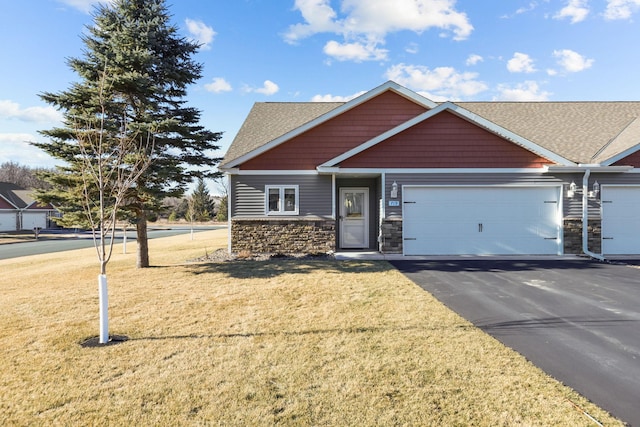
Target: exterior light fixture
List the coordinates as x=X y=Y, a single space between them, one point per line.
x=394 y=190
x=596 y=190
x=572 y=190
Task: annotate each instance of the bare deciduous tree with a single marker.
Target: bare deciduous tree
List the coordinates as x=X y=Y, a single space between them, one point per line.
x=110 y=161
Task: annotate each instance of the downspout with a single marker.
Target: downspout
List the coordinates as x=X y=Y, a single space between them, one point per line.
x=229 y=211
x=585 y=217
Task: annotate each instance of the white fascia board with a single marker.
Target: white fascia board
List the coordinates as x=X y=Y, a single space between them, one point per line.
x=583 y=167
x=414 y=171
x=461 y=112
x=620 y=156
x=274 y=172
x=390 y=85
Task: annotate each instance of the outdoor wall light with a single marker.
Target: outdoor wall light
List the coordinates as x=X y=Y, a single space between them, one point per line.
x=572 y=190
x=394 y=190
x=596 y=190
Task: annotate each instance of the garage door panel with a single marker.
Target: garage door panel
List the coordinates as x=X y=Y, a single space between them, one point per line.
x=620 y=220
x=7 y=221
x=468 y=220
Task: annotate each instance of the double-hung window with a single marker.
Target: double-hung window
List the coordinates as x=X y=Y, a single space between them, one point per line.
x=281 y=199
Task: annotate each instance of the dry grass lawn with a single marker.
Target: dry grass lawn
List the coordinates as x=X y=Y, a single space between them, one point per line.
x=254 y=343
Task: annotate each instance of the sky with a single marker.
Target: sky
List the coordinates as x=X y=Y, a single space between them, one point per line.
x=334 y=50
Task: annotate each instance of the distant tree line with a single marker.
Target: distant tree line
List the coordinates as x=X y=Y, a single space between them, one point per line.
x=200 y=206
x=23 y=176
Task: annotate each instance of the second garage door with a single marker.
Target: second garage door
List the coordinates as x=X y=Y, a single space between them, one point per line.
x=481 y=220
x=620 y=220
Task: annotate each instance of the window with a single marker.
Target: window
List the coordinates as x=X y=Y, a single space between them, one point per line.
x=281 y=199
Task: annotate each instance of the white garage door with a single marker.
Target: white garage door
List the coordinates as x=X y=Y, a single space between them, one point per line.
x=481 y=221
x=7 y=221
x=620 y=220
x=30 y=220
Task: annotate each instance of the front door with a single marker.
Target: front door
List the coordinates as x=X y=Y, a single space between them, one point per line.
x=354 y=218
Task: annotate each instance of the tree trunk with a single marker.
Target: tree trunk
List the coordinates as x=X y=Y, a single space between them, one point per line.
x=143 y=241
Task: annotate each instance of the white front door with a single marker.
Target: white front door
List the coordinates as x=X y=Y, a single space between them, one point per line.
x=354 y=218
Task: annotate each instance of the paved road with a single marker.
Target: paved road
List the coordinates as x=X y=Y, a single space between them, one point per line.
x=68 y=241
x=578 y=320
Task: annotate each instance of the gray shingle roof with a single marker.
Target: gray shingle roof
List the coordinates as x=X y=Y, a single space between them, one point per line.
x=17 y=196
x=583 y=132
x=578 y=131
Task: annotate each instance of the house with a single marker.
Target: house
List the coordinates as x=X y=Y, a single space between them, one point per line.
x=20 y=211
x=395 y=172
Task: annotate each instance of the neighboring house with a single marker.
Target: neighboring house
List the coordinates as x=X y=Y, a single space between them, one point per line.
x=20 y=211
x=394 y=172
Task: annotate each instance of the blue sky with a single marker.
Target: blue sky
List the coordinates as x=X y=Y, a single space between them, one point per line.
x=328 y=50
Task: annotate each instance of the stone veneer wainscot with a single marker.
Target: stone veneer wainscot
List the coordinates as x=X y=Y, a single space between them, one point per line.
x=283 y=236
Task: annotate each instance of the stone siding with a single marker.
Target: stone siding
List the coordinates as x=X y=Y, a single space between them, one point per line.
x=573 y=236
x=283 y=236
x=391 y=236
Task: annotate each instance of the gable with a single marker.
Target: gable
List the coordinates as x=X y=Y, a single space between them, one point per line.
x=339 y=134
x=445 y=141
x=5 y=205
x=630 y=160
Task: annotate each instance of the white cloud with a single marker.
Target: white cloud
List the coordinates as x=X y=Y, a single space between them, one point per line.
x=268 y=88
x=201 y=33
x=218 y=85
x=412 y=48
x=12 y=110
x=527 y=91
x=473 y=59
x=357 y=52
x=621 y=9
x=15 y=147
x=520 y=63
x=576 y=10
x=335 y=98
x=438 y=84
x=571 y=61
x=366 y=23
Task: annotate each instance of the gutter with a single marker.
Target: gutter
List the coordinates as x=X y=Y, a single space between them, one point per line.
x=585 y=217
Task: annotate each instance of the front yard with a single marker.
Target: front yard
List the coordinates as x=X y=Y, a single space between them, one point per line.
x=290 y=342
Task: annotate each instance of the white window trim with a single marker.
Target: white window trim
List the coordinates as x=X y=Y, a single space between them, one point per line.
x=281 y=189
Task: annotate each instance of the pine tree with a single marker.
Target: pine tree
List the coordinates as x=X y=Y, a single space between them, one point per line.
x=148 y=68
x=201 y=203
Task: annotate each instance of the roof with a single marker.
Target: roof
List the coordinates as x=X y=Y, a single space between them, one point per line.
x=579 y=131
x=582 y=132
x=17 y=196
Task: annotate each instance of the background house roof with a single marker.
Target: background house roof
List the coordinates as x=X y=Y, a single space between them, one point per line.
x=583 y=132
x=13 y=194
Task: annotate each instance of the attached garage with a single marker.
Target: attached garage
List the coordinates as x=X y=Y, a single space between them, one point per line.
x=475 y=220
x=8 y=221
x=31 y=220
x=620 y=219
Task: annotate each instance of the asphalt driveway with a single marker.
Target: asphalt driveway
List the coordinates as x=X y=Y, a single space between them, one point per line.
x=578 y=320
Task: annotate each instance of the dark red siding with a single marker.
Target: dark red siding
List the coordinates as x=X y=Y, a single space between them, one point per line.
x=5 y=205
x=630 y=160
x=445 y=141
x=340 y=134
